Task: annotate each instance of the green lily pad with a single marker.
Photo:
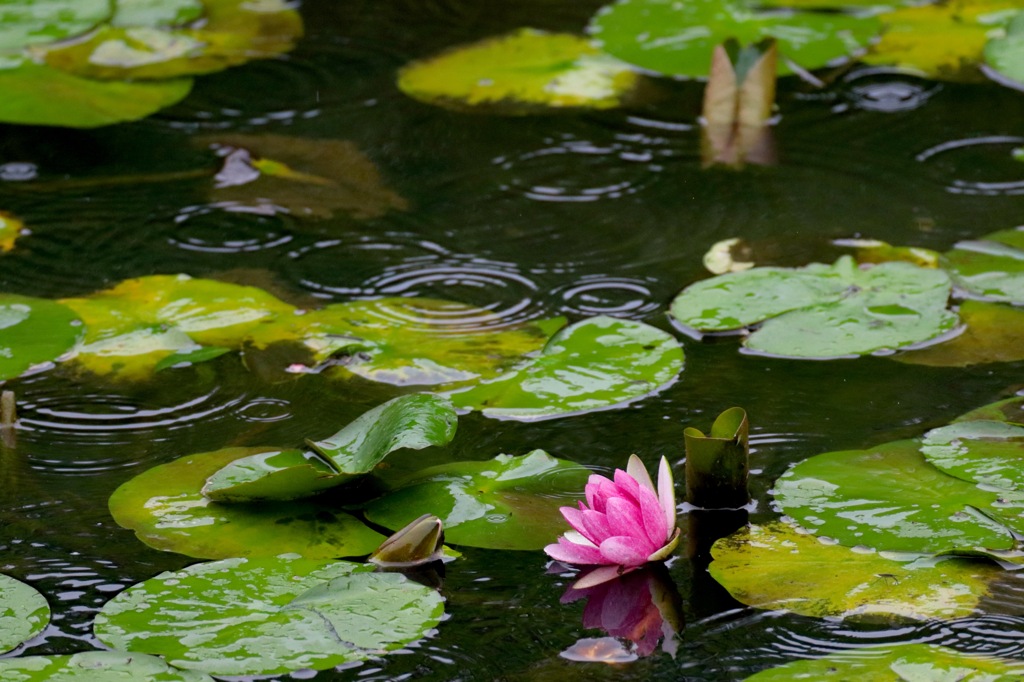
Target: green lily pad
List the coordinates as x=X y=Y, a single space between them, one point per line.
x=269 y=616
x=593 y=364
x=10 y=229
x=979 y=451
x=167 y=510
x=95 y=666
x=1010 y=410
x=677 y=38
x=822 y=311
x=1006 y=54
x=992 y=333
x=991 y=268
x=191 y=357
x=504 y=503
x=896 y=663
x=522 y=69
x=942 y=40
x=24 y=613
x=892 y=499
x=156 y=12
x=36 y=94
x=27 y=22
x=33 y=331
x=776 y=567
x=412 y=421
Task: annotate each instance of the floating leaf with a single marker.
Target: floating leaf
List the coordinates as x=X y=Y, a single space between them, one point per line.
x=36 y=94
x=940 y=40
x=156 y=12
x=991 y=268
x=678 y=38
x=165 y=508
x=191 y=357
x=95 y=666
x=33 y=331
x=269 y=616
x=26 y=22
x=24 y=613
x=890 y=498
x=776 y=567
x=527 y=68
x=504 y=503
x=896 y=663
x=10 y=229
x=876 y=251
x=412 y=421
x=1006 y=54
x=1010 y=410
x=302 y=176
x=822 y=311
x=725 y=256
x=979 y=451
x=596 y=363
x=992 y=333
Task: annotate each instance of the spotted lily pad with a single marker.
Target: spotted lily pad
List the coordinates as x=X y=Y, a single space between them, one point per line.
x=167 y=510
x=776 y=567
x=990 y=268
x=521 y=69
x=822 y=311
x=597 y=363
x=677 y=38
x=269 y=616
x=896 y=663
x=95 y=666
x=24 y=613
x=413 y=422
x=504 y=503
x=10 y=229
x=33 y=331
x=979 y=451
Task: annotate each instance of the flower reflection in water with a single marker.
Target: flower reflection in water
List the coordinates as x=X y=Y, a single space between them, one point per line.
x=638 y=610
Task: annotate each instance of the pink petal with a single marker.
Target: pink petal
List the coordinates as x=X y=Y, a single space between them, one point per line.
x=571 y=553
x=627 y=485
x=598 y=490
x=653 y=517
x=575 y=519
x=625 y=520
x=597 y=527
x=623 y=551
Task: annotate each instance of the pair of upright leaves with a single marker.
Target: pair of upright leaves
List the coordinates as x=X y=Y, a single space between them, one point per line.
x=87 y=63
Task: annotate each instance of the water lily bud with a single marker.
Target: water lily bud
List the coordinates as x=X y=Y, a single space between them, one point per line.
x=420 y=542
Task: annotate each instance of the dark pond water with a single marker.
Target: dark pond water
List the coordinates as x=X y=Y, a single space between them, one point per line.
x=573 y=213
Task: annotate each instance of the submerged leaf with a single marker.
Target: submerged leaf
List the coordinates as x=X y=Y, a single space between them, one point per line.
x=269 y=616
x=521 y=69
x=24 y=613
x=166 y=509
x=597 y=363
x=504 y=503
x=33 y=331
x=776 y=567
x=678 y=38
x=10 y=229
x=95 y=666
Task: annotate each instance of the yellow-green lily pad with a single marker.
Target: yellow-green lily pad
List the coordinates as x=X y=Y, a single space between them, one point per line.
x=524 y=69
x=992 y=332
x=10 y=229
x=33 y=331
x=775 y=566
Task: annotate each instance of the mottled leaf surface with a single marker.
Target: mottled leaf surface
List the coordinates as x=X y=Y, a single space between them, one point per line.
x=95 y=666
x=24 y=613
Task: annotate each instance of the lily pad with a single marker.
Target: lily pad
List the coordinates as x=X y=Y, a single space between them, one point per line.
x=942 y=40
x=593 y=364
x=156 y=12
x=991 y=268
x=1010 y=410
x=10 y=229
x=504 y=503
x=306 y=177
x=776 y=567
x=25 y=22
x=24 y=613
x=167 y=510
x=33 y=331
x=412 y=421
x=190 y=357
x=992 y=333
x=269 y=616
x=95 y=666
x=896 y=663
x=892 y=499
x=979 y=451
x=1006 y=54
x=677 y=38
x=822 y=311
x=519 y=70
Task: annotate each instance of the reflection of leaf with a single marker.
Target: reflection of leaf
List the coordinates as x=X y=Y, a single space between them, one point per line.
x=940 y=40
x=678 y=38
x=776 y=567
x=992 y=333
x=165 y=508
x=519 y=70
x=95 y=666
x=896 y=663
x=991 y=268
x=269 y=616
x=10 y=229
x=23 y=613
x=821 y=311
x=504 y=503
x=302 y=176
x=33 y=331
x=593 y=364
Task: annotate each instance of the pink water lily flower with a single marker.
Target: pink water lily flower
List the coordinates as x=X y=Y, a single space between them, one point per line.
x=625 y=523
